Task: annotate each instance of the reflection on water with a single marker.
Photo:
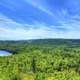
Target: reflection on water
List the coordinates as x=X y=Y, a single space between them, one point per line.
x=4 y=53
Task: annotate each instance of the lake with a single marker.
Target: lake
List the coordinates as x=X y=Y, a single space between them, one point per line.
x=4 y=53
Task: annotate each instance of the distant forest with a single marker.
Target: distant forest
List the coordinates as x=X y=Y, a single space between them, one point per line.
x=42 y=59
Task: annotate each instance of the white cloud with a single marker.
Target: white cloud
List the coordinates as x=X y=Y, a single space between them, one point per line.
x=39 y=5
x=12 y=30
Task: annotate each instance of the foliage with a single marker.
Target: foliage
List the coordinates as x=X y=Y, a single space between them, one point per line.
x=40 y=61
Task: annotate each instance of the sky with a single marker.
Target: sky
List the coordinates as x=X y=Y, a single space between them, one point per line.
x=39 y=19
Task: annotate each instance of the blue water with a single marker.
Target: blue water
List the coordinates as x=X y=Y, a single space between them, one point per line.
x=4 y=53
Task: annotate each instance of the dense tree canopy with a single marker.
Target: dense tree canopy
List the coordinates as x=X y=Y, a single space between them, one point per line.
x=40 y=60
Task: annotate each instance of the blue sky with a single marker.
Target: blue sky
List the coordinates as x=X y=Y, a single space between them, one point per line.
x=37 y=19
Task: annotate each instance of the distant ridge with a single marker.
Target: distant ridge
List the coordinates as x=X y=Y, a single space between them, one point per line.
x=68 y=42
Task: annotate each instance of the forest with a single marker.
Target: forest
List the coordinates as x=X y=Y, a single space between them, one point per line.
x=42 y=59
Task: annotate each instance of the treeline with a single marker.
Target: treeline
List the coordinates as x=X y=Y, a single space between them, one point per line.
x=68 y=42
x=40 y=61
